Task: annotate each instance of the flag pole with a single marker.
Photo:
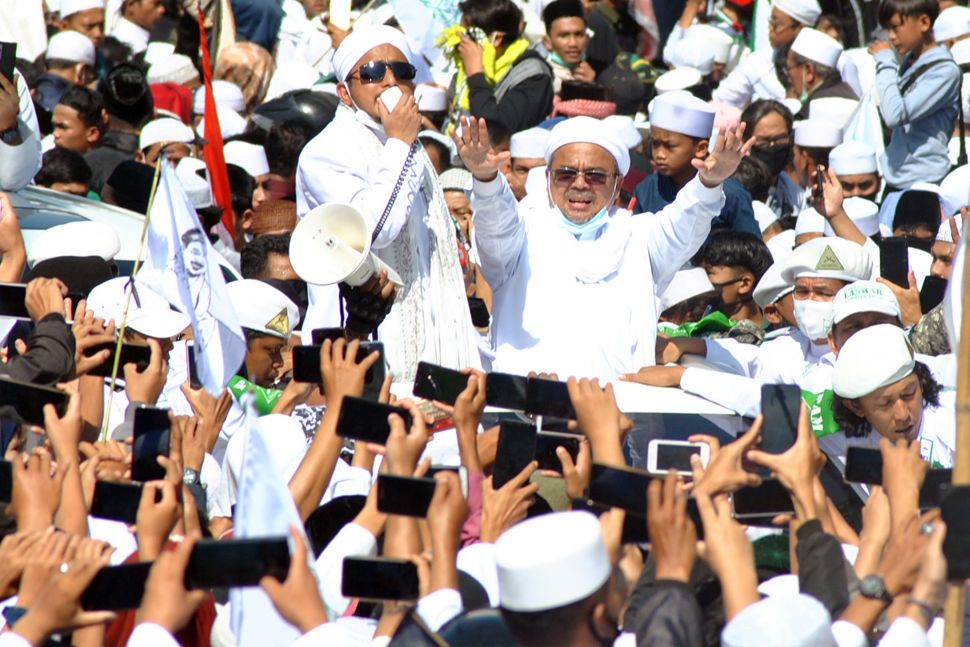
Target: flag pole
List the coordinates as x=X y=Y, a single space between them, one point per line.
x=131 y=286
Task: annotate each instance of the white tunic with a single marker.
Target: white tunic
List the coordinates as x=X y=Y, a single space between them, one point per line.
x=754 y=78
x=19 y=164
x=582 y=307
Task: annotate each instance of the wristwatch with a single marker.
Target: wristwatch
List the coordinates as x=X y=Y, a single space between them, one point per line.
x=874 y=588
x=190 y=476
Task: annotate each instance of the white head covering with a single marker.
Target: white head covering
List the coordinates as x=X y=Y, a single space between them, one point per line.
x=864 y=213
x=536 y=181
x=291 y=75
x=250 y=157
x=444 y=140
x=362 y=40
x=693 y=52
x=813 y=133
x=852 y=158
x=952 y=22
x=961 y=52
x=587 y=130
x=87 y=238
x=625 y=129
x=679 y=78
x=71 y=7
x=196 y=188
x=829 y=258
x=231 y=123
x=864 y=296
x=150 y=314
x=684 y=285
x=157 y=51
x=809 y=221
x=835 y=110
x=793 y=620
x=263 y=308
x=944 y=234
x=772 y=286
x=954 y=187
x=456 y=179
x=806 y=12
x=683 y=114
x=763 y=214
x=551 y=561
x=430 y=98
x=175 y=68
x=166 y=130
x=781 y=245
x=71 y=46
x=872 y=358
x=817 y=47
x=227 y=94
x=719 y=42
x=530 y=143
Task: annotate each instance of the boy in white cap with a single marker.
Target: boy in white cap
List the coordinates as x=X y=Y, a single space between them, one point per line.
x=813 y=142
x=855 y=166
x=527 y=148
x=267 y=317
x=252 y=159
x=83 y=16
x=71 y=56
x=166 y=133
x=813 y=69
x=944 y=248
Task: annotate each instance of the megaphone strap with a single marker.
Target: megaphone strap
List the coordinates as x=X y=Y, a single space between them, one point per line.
x=408 y=163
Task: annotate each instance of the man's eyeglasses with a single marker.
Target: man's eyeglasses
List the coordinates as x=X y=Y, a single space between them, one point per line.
x=564 y=176
x=375 y=71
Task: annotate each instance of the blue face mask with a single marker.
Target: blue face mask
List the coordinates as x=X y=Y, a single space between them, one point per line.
x=557 y=59
x=593 y=224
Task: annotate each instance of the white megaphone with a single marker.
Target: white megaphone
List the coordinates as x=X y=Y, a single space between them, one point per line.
x=331 y=244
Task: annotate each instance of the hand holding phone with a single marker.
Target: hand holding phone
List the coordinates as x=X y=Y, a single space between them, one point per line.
x=665 y=455
x=894 y=261
x=8 y=58
x=780 y=410
x=152 y=436
x=515 y=450
x=379 y=579
x=367 y=421
x=818 y=190
x=433 y=382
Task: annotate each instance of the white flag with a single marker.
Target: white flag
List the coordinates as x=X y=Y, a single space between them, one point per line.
x=182 y=265
x=953 y=301
x=423 y=21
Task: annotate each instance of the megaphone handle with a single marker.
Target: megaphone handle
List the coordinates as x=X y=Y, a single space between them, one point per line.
x=408 y=163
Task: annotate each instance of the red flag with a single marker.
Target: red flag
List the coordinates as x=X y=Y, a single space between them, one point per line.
x=215 y=160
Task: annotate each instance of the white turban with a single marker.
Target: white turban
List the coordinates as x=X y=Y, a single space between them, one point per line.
x=360 y=41
x=871 y=359
x=586 y=130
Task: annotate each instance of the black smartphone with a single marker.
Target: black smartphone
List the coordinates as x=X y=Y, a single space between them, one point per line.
x=193 y=368
x=955 y=512
x=306 y=366
x=404 y=495
x=130 y=354
x=548 y=398
x=479 y=311
x=619 y=487
x=12 y=297
x=506 y=391
x=6 y=481
x=28 y=399
x=780 y=404
x=936 y=485
x=116 y=588
x=765 y=500
x=863 y=465
x=634 y=525
x=236 y=562
x=894 y=261
x=379 y=579
x=932 y=293
x=366 y=420
x=320 y=335
x=546 y=444
x=433 y=382
x=516 y=448
x=117 y=501
x=818 y=192
x=8 y=57
x=152 y=436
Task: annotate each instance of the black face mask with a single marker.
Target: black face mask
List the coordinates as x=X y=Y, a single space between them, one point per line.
x=776 y=157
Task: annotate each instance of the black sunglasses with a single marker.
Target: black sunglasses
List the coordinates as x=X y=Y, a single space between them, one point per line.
x=375 y=71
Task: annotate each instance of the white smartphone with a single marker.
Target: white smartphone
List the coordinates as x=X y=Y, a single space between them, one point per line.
x=340 y=14
x=391 y=97
x=664 y=455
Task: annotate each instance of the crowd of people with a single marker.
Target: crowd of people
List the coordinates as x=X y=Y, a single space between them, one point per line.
x=703 y=195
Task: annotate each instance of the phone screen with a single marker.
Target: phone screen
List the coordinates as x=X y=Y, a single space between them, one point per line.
x=433 y=382
x=672 y=456
x=404 y=495
x=117 y=501
x=863 y=465
x=366 y=420
x=549 y=398
x=28 y=400
x=936 y=485
x=768 y=499
x=379 y=579
x=618 y=487
x=306 y=364
x=780 y=405
x=130 y=354
x=955 y=511
x=506 y=391
x=894 y=261
x=12 y=299
x=546 y=445
x=319 y=335
x=6 y=481
x=516 y=449
x=8 y=58
x=116 y=588
x=152 y=431
x=194 y=380
x=236 y=562
x=932 y=293
x=480 y=316
x=818 y=192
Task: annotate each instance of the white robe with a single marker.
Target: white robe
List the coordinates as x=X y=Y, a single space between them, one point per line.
x=754 y=78
x=19 y=164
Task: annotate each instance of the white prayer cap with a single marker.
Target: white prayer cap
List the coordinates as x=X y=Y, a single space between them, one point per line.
x=158 y=51
x=231 y=123
x=954 y=187
x=536 y=181
x=772 y=286
x=793 y=104
x=781 y=245
x=809 y=221
x=852 y=158
x=149 y=313
x=538 y=570
x=360 y=41
x=793 y=620
x=227 y=94
x=164 y=130
x=961 y=51
x=625 y=129
x=872 y=358
x=175 y=68
x=829 y=258
x=249 y=157
x=952 y=22
x=864 y=296
x=291 y=75
x=835 y=110
x=817 y=47
x=864 y=213
x=813 y=133
x=716 y=39
x=71 y=46
x=684 y=285
x=456 y=179
x=85 y=238
x=679 y=78
x=263 y=308
x=683 y=114
x=806 y=12
x=444 y=140
x=71 y=7
x=944 y=234
x=431 y=98
x=763 y=214
x=693 y=52
x=587 y=130
x=196 y=188
x=530 y=143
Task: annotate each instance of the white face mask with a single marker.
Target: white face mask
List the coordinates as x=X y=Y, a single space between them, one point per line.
x=361 y=115
x=814 y=318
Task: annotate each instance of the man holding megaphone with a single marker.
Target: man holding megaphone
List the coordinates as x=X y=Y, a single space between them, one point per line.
x=370 y=202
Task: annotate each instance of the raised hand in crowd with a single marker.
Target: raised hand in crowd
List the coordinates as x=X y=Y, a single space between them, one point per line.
x=13 y=253
x=796 y=468
x=297 y=598
x=508 y=505
x=725 y=472
x=166 y=602
x=673 y=536
x=721 y=163
x=599 y=418
x=476 y=151
x=146 y=385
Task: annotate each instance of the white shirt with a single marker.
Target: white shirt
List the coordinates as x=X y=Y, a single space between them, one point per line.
x=131 y=35
x=19 y=164
x=754 y=78
x=551 y=313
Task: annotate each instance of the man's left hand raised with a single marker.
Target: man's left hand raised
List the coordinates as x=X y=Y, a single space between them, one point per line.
x=721 y=163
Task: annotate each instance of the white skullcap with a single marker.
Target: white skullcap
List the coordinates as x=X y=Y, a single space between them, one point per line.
x=456 y=179
x=175 y=68
x=853 y=158
x=952 y=22
x=86 y=238
x=829 y=258
x=431 y=98
x=71 y=7
x=231 y=123
x=362 y=40
x=263 y=308
x=864 y=296
x=625 y=129
x=792 y=620
x=954 y=187
x=813 y=133
x=196 y=188
x=961 y=51
x=158 y=51
x=587 y=130
x=864 y=213
x=763 y=214
x=291 y=75
x=872 y=358
x=809 y=221
x=249 y=157
x=444 y=140
x=164 y=130
x=772 y=286
x=683 y=114
x=719 y=41
x=817 y=47
x=781 y=245
x=793 y=104
x=530 y=143
x=684 y=285
x=71 y=46
x=806 y=12
x=538 y=570
x=227 y=94
x=944 y=234
x=536 y=181
x=693 y=52
x=150 y=314
x=680 y=78
x=835 y=110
